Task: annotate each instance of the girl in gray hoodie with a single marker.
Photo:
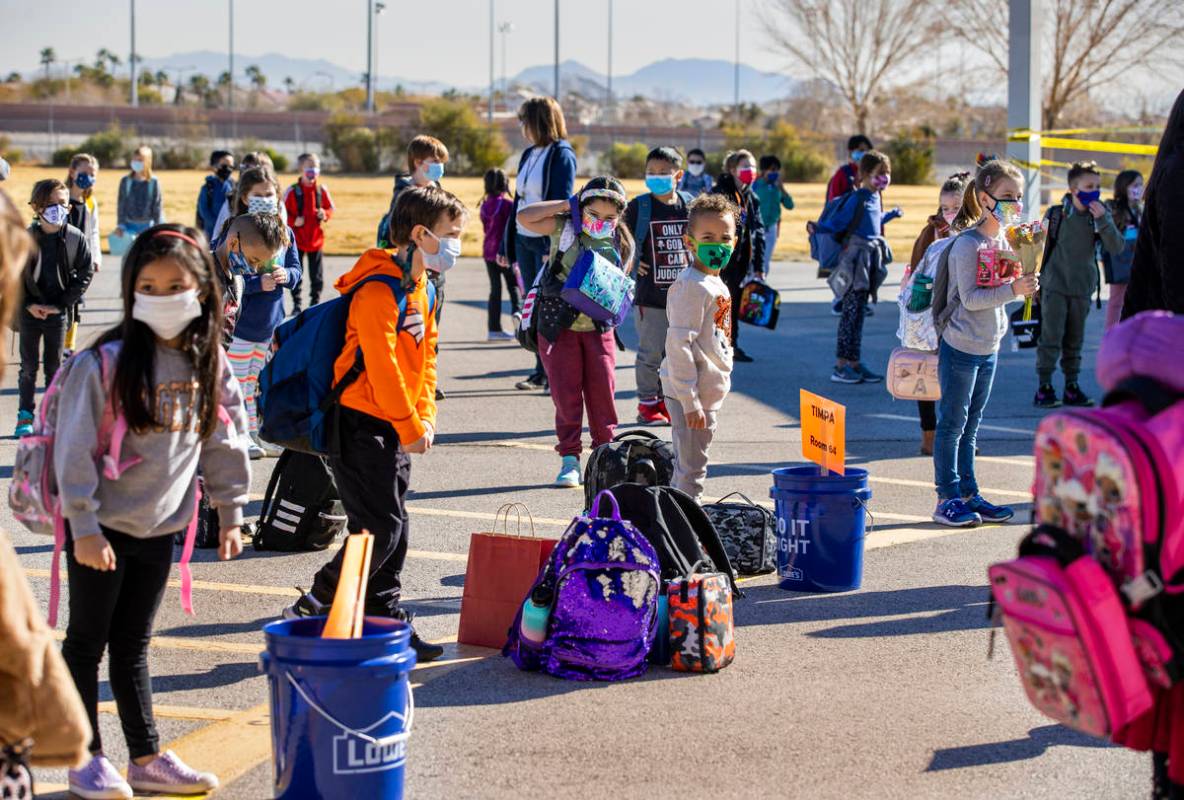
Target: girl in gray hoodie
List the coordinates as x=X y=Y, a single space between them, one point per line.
x=163 y=372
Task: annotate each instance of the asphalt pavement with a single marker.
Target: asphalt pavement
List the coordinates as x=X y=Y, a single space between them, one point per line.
x=886 y=692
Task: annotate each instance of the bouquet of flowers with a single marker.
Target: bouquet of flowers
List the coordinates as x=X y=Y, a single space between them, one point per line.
x=1027 y=240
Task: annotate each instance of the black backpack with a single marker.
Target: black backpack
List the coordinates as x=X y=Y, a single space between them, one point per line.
x=301 y=510
x=208 y=524
x=676 y=526
x=631 y=457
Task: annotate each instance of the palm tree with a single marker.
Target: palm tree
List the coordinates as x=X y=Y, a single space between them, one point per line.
x=290 y=85
x=162 y=78
x=258 y=79
x=48 y=56
x=200 y=85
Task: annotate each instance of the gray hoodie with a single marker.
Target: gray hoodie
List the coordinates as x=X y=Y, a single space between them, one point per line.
x=978 y=322
x=155 y=497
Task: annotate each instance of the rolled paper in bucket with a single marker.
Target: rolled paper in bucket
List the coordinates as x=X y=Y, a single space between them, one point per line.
x=349 y=603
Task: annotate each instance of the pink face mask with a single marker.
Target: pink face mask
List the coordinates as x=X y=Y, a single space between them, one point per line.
x=881 y=182
x=1135 y=193
x=599 y=228
x=949 y=216
x=746 y=175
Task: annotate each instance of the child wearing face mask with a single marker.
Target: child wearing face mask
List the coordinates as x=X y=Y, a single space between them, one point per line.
x=578 y=352
x=57 y=274
x=770 y=191
x=861 y=268
x=140 y=204
x=950 y=218
x=426 y=157
x=309 y=207
x=748 y=257
x=1127 y=209
x=696 y=180
x=215 y=191
x=170 y=381
x=257 y=249
x=84 y=215
x=846 y=177
x=389 y=411
x=971 y=322
x=1069 y=278
x=697 y=370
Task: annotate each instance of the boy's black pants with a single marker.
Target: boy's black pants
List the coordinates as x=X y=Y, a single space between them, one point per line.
x=372 y=471
x=314 y=271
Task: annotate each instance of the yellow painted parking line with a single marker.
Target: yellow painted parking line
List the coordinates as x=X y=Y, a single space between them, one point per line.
x=215 y=586
x=441 y=512
x=982 y=426
x=506 y=443
x=177 y=712
x=205 y=645
x=230 y=747
x=1018 y=461
x=929 y=485
x=874 y=541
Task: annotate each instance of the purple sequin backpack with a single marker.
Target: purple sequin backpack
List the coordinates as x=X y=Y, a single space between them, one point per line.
x=598 y=595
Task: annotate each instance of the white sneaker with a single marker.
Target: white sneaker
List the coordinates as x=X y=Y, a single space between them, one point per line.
x=255 y=452
x=99 y=780
x=168 y=773
x=499 y=336
x=269 y=450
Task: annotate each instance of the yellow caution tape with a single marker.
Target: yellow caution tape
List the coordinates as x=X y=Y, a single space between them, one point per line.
x=1044 y=162
x=1127 y=129
x=1085 y=145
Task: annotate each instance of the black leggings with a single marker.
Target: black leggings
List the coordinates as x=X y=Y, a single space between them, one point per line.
x=115 y=610
x=497 y=276
x=850 y=339
x=928 y=411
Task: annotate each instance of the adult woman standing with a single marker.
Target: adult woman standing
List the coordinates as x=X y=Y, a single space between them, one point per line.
x=1157 y=279
x=546 y=171
x=140 y=205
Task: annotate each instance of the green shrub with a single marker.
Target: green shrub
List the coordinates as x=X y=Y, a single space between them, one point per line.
x=111 y=147
x=354 y=146
x=181 y=156
x=278 y=159
x=473 y=147
x=801 y=162
x=9 y=153
x=912 y=158
x=626 y=160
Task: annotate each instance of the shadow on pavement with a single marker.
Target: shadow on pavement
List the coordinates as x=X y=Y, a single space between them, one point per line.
x=218 y=628
x=1034 y=746
x=217 y=677
x=471 y=492
x=489 y=436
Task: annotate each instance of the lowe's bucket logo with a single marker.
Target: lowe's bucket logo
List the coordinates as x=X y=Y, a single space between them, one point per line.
x=353 y=754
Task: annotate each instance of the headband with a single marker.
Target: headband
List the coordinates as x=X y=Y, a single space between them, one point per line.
x=607 y=194
x=178 y=235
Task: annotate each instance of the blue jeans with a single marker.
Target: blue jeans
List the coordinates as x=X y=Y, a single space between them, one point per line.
x=965 y=388
x=532 y=252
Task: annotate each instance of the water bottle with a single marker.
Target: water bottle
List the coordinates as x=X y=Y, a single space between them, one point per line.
x=660 y=651
x=536 y=613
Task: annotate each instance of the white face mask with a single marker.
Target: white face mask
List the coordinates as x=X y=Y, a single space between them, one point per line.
x=167 y=315
x=445 y=257
x=696 y=169
x=262 y=204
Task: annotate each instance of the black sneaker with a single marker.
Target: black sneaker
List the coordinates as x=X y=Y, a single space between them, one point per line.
x=1046 y=397
x=1075 y=397
x=440 y=394
x=741 y=356
x=306 y=606
x=424 y=651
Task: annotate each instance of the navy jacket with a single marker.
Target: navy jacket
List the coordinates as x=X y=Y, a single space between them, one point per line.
x=262 y=312
x=209 y=202
x=559 y=183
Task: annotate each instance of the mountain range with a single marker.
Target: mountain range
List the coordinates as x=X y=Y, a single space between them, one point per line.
x=696 y=80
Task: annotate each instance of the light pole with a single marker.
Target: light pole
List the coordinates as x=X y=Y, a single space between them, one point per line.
x=491 y=30
x=736 y=65
x=505 y=29
x=135 y=83
x=610 y=54
x=230 y=84
x=379 y=7
x=180 y=82
x=557 y=50
x=370 y=56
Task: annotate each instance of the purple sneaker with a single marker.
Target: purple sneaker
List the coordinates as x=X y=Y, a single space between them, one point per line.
x=168 y=773
x=99 y=780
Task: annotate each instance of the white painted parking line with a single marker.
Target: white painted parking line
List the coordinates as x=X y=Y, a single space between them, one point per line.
x=984 y=426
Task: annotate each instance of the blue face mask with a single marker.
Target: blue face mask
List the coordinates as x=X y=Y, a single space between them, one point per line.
x=84 y=180
x=434 y=171
x=1085 y=198
x=660 y=184
x=773 y=177
x=238 y=262
x=857 y=156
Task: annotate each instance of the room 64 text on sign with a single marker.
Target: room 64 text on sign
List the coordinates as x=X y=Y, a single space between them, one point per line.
x=824 y=431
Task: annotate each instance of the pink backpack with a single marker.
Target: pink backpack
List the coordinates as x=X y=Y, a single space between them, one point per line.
x=1069 y=635
x=33 y=494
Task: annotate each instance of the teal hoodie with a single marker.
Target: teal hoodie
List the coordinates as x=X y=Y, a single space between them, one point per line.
x=773 y=198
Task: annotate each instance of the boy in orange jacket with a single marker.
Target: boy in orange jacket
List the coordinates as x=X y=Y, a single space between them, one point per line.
x=389 y=412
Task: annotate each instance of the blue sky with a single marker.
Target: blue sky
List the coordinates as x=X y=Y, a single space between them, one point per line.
x=449 y=44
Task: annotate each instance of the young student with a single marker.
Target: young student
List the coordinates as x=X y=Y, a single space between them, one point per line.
x=971 y=324
x=258 y=248
x=495 y=210
x=426 y=157
x=1068 y=281
x=950 y=218
x=170 y=381
x=390 y=410
x=140 y=205
x=309 y=207
x=546 y=171
x=846 y=177
x=863 y=257
x=84 y=215
x=57 y=274
x=578 y=353
x=748 y=257
x=217 y=188
x=771 y=194
x=696 y=180
x=658 y=220
x=1127 y=209
x=697 y=370
x=251 y=160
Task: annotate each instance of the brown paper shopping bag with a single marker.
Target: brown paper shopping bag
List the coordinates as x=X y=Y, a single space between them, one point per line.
x=502 y=566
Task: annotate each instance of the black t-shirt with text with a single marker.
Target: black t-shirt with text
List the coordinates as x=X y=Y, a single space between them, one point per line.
x=663 y=251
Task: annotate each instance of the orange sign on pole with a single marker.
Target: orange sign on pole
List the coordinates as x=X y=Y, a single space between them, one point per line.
x=824 y=431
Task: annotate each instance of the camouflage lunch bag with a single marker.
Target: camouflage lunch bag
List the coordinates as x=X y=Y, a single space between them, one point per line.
x=748 y=533
x=701 y=628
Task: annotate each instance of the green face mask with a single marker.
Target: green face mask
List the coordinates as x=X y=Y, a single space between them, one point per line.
x=713 y=255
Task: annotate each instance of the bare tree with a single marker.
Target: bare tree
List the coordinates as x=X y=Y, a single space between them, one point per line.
x=1087 y=43
x=860 y=46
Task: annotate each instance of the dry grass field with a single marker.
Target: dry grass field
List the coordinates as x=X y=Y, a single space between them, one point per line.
x=362 y=200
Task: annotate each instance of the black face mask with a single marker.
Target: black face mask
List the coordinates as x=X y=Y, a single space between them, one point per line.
x=224 y=172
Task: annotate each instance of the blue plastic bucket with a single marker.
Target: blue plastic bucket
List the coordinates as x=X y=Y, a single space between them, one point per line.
x=820 y=528
x=341 y=709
